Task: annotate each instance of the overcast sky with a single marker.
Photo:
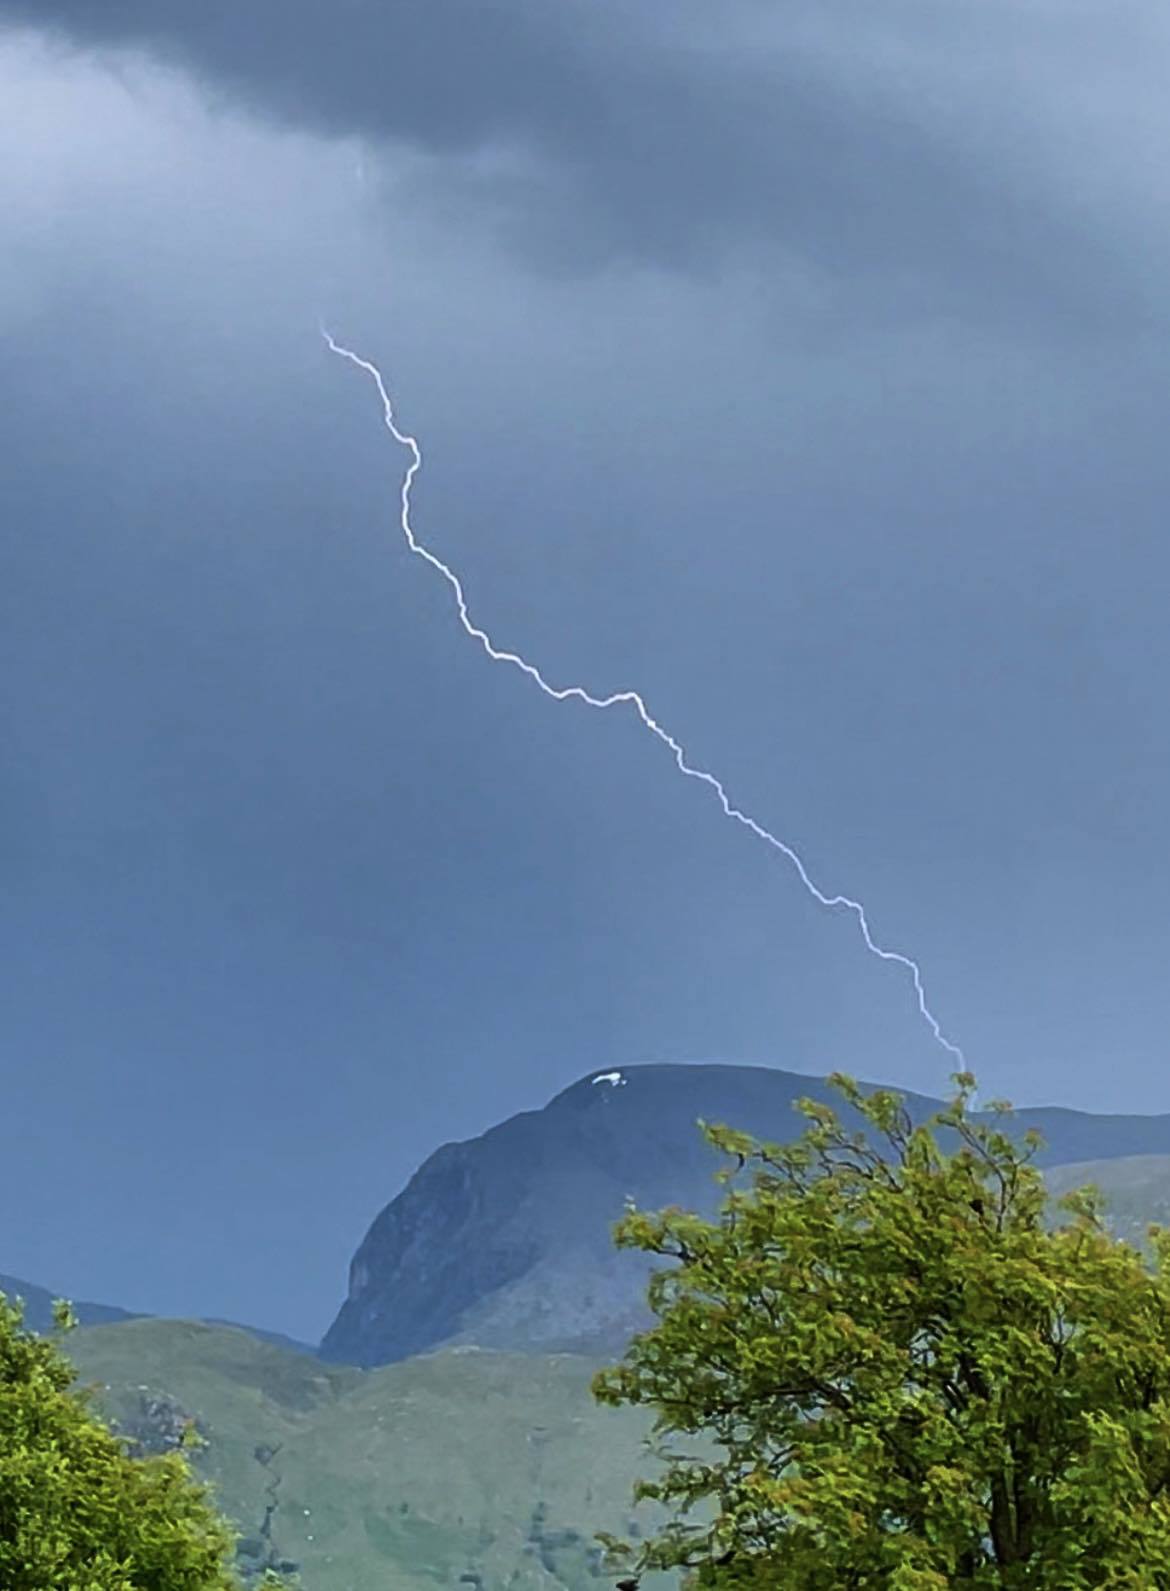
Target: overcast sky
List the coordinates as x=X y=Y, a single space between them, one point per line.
x=803 y=367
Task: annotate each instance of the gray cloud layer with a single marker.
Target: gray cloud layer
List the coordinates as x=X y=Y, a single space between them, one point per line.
x=621 y=134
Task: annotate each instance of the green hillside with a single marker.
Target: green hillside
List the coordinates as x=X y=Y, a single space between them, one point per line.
x=463 y=1468
x=1136 y=1189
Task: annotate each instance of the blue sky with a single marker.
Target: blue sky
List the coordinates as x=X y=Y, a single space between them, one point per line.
x=803 y=368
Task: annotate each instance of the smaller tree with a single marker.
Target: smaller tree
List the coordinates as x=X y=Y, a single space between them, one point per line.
x=77 y=1512
x=900 y=1374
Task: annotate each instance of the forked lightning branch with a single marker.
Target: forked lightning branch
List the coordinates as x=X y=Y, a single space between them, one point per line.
x=628 y=699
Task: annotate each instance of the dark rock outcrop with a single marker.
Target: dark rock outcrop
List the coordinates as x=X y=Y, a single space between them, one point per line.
x=159 y=1424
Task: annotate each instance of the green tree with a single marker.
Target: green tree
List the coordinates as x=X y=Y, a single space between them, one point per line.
x=895 y=1370
x=77 y=1513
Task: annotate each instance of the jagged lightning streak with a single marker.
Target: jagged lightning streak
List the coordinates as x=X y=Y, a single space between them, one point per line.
x=622 y=699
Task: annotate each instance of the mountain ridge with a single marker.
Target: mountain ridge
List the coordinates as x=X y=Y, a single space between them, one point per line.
x=38 y=1314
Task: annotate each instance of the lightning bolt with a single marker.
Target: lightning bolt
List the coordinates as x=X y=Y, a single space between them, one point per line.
x=631 y=699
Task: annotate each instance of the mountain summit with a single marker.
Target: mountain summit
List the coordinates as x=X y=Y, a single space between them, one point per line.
x=504 y=1241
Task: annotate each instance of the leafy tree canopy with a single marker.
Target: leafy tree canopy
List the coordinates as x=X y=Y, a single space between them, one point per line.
x=897 y=1372
x=77 y=1513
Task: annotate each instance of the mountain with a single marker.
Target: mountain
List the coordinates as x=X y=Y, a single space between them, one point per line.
x=38 y=1306
x=463 y=1468
x=504 y=1241
x=38 y=1314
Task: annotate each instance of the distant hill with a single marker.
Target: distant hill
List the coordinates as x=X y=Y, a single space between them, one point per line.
x=38 y=1313
x=1136 y=1188
x=38 y=1306
x=504 y=1240
x=461 y=1469
x=278 y=1338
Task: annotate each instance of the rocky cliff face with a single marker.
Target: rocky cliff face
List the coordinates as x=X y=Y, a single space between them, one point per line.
x=504 y=1241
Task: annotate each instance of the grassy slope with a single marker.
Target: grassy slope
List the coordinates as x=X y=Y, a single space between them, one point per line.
x=455 y=1464
x=1136 y=1189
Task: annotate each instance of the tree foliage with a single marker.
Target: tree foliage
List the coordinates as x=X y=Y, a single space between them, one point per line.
x=895 y=1371
x=77 y=1513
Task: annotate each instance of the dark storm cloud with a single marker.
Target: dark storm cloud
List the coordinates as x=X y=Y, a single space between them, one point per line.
x=292 y=873
x=646 y=143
